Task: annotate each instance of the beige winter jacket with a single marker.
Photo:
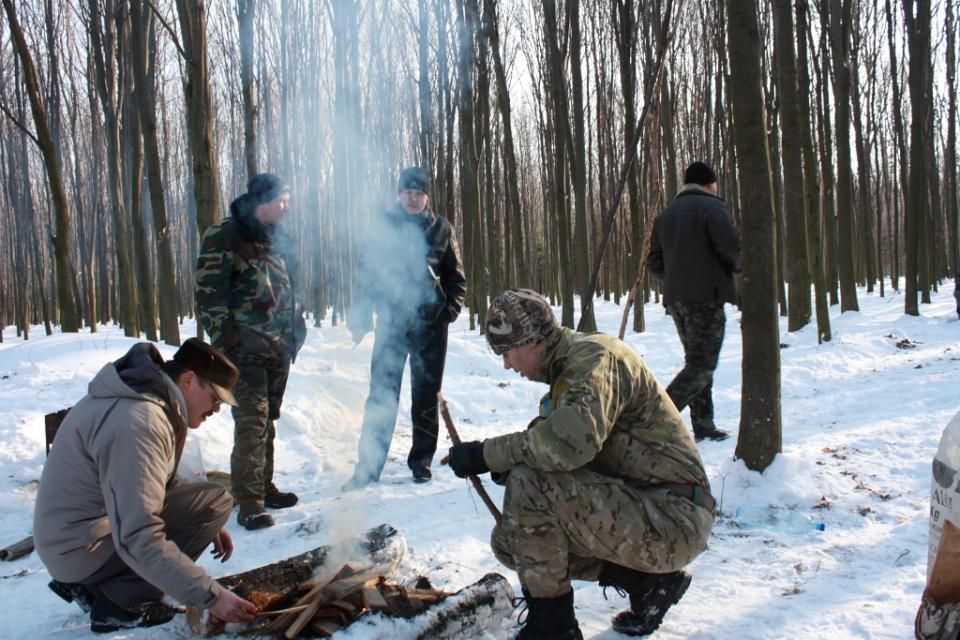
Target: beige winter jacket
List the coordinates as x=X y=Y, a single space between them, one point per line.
x=104 y=483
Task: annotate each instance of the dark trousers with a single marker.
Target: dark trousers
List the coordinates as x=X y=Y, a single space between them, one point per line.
x=700 y=326
x=427 y=349
x=193 y=513
x=259 y=392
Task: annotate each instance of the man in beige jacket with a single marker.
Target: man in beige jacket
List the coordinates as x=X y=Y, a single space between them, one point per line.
x=114 y=526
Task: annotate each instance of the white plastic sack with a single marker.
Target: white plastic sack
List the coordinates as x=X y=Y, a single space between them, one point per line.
x=191 y=467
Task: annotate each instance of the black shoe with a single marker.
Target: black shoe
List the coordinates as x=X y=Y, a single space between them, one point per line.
x=651 y=595
x=107 y=616
x=711 y=433
x=421 y=472
x=254 y=517
x=280 y=499
x=550 y=619
x=74 y=593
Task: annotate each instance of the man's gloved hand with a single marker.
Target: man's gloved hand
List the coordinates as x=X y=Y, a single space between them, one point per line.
x=466 y=459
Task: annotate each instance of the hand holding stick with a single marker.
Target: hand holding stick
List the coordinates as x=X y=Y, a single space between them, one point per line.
x=455 y=439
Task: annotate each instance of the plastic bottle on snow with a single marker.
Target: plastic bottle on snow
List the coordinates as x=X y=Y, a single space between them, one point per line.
x=782 y=520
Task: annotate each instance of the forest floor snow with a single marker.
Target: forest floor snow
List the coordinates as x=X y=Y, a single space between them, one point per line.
x=862 y=418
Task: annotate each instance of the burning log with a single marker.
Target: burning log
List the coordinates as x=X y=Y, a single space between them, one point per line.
x=294 y=605
x=281 y=585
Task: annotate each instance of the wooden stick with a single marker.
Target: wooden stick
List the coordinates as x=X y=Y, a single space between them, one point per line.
x=455 y=439
x=304 y=618
x=280 y=612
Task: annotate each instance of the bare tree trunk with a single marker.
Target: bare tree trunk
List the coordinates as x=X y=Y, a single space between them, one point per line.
x=578 y=166
x=793 y=183
x=199 y=108
x=950 y=157
x=812 y=183
x=557 y=99
x=105 y=42
x=245 y=10
x=760 y=437
x=917 y=16
x=514 y=213
x=69 y=321
x=468 y=16
x=423 y=87
x=132 y=153
x=840 y=34
x=143 y=74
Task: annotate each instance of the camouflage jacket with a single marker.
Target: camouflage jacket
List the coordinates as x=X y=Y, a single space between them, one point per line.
x=606 y=413
x=244 y=289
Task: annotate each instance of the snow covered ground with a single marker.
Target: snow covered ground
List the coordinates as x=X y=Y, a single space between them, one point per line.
x=861 y=423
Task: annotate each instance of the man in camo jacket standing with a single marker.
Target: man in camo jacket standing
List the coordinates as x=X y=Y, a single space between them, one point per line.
x=606 y=484
x=245 y=301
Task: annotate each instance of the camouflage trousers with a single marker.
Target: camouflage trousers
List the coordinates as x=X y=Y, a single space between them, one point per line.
x=700 y=326
x=259 y=393
x=563 y=526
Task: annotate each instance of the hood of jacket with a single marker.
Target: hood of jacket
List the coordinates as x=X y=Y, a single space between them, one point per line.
x=138 y=376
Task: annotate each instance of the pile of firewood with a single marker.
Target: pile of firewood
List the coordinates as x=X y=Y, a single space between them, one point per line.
x=312 y=595
x=327 y=603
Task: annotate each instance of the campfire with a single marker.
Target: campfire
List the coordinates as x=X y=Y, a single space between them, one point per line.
x=311 y=596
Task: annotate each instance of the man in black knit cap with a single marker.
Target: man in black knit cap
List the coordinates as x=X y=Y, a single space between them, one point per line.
x=695 y=250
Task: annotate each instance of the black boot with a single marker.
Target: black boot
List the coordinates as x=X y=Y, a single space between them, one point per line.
x=277 y=499
x=550 y=619
x=74 y=593
x=709 y=433
x=421 y=471
x=651 y=595
x=107 y=616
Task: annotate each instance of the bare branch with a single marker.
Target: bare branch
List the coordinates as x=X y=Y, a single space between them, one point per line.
x=19 y=124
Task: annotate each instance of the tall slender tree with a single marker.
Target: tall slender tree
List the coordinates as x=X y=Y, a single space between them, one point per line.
x=69 y=320
x=760 y=438
x=840 y=34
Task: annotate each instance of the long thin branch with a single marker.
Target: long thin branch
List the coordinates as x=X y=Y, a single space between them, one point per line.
x=455 y=439
x=176 y=41
x=19 y=124
x=651 y=94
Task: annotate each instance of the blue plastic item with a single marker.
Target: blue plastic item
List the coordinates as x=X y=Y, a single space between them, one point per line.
x=782 y=520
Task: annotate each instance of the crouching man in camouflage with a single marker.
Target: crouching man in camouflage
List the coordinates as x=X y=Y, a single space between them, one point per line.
x=605 y=484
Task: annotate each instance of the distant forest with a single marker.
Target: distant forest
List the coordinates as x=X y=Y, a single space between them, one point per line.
x=554 y=133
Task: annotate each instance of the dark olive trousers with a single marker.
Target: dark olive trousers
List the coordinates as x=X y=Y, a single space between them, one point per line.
x=193 y=513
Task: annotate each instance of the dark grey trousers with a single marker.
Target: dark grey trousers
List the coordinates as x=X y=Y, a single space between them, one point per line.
x=193 y=513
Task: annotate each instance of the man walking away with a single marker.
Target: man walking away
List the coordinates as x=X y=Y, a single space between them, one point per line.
x=695 y=250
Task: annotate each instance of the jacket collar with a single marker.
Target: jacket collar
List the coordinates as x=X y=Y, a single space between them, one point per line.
x=693 y=189
x=553 y=358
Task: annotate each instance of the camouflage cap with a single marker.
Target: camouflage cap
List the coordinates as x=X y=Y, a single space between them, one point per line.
x=517 y=317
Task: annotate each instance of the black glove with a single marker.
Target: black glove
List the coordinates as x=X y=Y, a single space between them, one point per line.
x=466 y=459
